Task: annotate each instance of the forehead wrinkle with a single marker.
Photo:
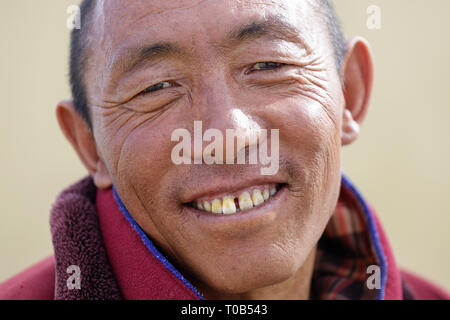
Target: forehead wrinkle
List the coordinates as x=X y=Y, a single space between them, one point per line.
x=273 y=26
x=162 y=10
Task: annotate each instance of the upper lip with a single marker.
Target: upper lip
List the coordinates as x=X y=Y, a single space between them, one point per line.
x=220 y=186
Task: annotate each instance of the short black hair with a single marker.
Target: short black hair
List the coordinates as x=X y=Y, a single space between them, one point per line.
x=79 y=47
x=78 y=58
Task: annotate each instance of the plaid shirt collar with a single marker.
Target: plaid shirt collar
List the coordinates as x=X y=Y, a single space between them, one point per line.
x=346 y=250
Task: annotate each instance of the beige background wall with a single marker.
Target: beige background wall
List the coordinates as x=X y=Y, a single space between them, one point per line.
x=401 y=163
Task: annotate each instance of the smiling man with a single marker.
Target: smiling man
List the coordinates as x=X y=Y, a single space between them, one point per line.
x=143 y=226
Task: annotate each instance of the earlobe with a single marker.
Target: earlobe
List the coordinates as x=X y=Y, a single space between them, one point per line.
x=80 y=136
x=357 y=71
x=101 y=176
x=350 y=128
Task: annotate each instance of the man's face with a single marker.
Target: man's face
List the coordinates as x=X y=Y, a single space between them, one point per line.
x=232 y=65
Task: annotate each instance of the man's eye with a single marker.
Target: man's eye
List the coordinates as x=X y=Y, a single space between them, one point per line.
x=263 y=66
x=158 y=86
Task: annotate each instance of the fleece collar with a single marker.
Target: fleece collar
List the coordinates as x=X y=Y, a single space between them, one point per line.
x=353 y=240
x=78 y=243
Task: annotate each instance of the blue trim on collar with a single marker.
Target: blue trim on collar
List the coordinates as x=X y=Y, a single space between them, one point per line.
x=150 y=246
x=373 y=233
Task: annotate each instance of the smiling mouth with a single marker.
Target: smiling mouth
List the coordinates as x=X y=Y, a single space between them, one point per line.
x=240 y=201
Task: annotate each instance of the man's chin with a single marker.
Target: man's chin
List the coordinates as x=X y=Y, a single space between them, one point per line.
x=237 y=277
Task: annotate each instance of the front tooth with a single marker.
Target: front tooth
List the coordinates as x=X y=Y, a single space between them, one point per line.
x=257 y=197
x=228 y=206
x=266 y=194
x=207 y=206
x=216 y=206
x=245 y=201
x=273 y=191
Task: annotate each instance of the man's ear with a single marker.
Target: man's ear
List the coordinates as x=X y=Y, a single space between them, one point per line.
x=357 y=71
x=80 y=136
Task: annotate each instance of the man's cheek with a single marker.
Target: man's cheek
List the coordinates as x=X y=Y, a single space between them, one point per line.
x=142 y=158
x=305 y=128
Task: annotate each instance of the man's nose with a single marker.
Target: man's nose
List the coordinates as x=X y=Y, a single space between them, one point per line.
x=219 y=108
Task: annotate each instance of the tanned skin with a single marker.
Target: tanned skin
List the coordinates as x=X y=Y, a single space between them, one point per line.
x=205 y=69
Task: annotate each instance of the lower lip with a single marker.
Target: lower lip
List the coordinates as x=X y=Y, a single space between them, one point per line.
x=260 y=215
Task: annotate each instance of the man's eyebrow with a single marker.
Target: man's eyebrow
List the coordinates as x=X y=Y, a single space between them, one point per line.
x=132 y=58
x=273 y=27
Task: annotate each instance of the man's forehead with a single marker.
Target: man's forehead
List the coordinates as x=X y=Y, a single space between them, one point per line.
x=131 y=9
x=119 y=16
x=117 y=22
